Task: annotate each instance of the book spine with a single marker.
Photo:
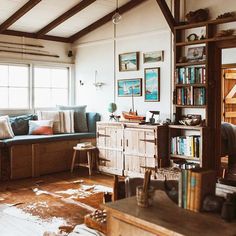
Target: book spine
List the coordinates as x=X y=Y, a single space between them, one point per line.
x=189 y=190
x=197 y=200
x=180 y=187
x=192 y=190
x=185 y=184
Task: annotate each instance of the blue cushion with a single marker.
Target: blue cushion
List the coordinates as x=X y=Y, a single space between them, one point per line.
x=31 y=139
x=20 y=124
x=80 y=122
x=92 y=118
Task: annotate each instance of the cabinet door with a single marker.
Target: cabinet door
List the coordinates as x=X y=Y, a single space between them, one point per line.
x=140 y=150
x=110 y=145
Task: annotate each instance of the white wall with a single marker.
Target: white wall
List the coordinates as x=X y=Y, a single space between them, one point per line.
x=143 y=29
x=50 y=47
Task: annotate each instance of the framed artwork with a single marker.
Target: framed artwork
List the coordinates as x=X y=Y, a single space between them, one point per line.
x=129 y=61
x=152 y=84
x=195 y=53
x=129 y=87
x=149 y=57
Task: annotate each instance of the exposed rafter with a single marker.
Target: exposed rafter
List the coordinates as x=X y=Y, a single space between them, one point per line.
x=167 y=14
x=18 y=14
x=33 y=35
x=131 y=4
x=77 y=8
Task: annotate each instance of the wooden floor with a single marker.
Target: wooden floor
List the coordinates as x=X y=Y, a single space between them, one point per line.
x=24 y=211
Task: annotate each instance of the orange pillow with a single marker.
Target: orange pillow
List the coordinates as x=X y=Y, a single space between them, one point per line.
x=40 y=127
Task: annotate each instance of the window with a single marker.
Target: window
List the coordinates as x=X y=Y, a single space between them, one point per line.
x=51 y=87
x=14 y=86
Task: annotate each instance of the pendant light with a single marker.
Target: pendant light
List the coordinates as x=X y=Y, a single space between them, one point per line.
x=116 y=18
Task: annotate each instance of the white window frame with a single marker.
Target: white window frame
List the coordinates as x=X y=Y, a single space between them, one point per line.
x=32 y=64
x=51 y=67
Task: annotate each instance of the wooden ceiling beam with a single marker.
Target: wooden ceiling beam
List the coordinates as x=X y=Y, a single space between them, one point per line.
x=128 y=6
x=34 y=36
x=18 y=14
x=167 y=14
x=77 y=8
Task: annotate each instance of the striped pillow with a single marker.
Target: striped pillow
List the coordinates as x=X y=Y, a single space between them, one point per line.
x=5 y=128
x=40 y=127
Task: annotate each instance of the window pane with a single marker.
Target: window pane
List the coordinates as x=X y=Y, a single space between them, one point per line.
x=42 y=97
x=18 y=98
x=4 y=98
x=59 y=78
x=18 y=76
x=3 y=75
x=59 y=97
x=42 y=78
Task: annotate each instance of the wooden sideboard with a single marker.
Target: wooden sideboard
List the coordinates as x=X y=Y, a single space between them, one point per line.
x=129 y=148
x=162 y=219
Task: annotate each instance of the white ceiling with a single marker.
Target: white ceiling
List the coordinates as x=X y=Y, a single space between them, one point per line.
x=48 y=10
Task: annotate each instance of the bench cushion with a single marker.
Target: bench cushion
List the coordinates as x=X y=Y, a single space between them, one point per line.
x=32 y=139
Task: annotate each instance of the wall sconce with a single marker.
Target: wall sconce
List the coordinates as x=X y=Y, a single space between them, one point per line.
x=97 y=84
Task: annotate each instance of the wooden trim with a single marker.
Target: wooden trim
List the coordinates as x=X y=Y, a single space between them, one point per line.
x=77 y=8
x=128 y=6
x=34 y=36
x=230 y=100
x=167 y=14
x=230 y=114
x=18 y=14
x=177 y=11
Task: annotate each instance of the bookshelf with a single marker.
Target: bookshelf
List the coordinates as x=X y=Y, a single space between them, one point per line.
x=194 y=89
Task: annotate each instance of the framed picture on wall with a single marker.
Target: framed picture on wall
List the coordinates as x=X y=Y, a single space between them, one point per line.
x=152 y=84
x=129 y=87
x=129 y=61
x=156 y=56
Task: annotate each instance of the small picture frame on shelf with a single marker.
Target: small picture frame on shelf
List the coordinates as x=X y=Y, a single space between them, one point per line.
x=129 y=87
x=129 y=61
x=196 y=53
x=152 y=84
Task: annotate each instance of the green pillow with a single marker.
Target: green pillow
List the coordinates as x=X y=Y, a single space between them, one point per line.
x=80 y=121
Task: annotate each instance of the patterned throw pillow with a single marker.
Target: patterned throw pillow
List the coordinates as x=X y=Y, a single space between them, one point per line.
x=80 y=121
x=5 y=128
x=40 y=127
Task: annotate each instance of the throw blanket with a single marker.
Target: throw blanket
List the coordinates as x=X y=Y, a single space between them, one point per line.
x=228 y=137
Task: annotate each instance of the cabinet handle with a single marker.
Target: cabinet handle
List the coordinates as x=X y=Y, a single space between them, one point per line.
x=127 y=142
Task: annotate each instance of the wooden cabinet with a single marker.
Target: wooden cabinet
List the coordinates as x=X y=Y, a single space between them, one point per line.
x=128 y=149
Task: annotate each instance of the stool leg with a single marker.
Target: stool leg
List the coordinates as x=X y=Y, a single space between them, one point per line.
x=90 y=163
x=73 y=161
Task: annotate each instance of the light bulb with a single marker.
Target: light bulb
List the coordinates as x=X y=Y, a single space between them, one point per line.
x=116 y=18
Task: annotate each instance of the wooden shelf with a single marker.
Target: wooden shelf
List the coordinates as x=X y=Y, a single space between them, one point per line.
x=191 y=106
x=202 y=41
x=185 y=157
x=186 y=127
x=191 y=85
x=189 y=63
x=204 y=23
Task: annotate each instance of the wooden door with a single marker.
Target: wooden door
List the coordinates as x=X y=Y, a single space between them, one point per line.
x=229 y=95
x=140 y=151
x=110 y=145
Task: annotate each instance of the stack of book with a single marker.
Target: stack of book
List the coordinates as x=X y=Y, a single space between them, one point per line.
x=186 y=145
x=194 y=185
x=190 y=75
x=191 y=96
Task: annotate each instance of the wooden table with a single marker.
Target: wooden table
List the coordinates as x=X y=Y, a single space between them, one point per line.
x=89 y=151
x=125 y=218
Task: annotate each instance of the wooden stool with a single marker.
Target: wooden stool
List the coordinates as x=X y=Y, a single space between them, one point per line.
x=89 y=151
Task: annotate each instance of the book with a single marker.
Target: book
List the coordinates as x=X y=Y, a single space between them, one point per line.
x=189 y=189
x=180 y=197
x=184 y=187
x=205 y=184
x=192 y=190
